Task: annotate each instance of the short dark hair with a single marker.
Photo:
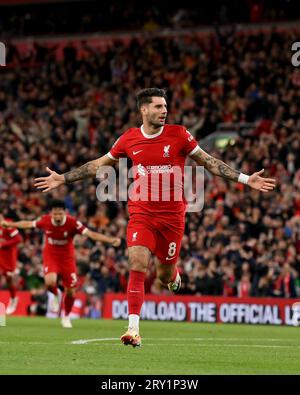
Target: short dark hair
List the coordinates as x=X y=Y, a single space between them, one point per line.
x=145 y=96
x=57 y=204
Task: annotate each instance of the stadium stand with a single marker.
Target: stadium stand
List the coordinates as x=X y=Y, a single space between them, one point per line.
x=61 y=109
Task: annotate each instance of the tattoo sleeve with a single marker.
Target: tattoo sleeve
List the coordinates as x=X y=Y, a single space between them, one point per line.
x=215 y=166
x=85 y=171
x=89 y=169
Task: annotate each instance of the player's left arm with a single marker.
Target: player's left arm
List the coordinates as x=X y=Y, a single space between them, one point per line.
x=114 y=241
x=18 y=224
x=219 y=168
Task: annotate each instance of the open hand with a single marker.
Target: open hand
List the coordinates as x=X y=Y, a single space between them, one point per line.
x=47 y=184
x=260 y=183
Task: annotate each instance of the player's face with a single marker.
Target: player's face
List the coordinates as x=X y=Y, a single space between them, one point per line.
x=58 y=215
x=155 y=113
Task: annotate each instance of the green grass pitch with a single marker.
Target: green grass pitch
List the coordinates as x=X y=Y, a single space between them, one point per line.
x=41 y=346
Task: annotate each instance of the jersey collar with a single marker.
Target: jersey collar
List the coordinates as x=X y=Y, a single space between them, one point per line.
x=151 y=136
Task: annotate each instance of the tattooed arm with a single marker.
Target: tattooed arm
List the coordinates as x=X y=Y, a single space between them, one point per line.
x=215 y=166
x=219 y=168
x=89 y=169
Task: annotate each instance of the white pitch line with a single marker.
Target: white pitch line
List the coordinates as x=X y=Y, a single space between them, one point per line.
x=86 y=341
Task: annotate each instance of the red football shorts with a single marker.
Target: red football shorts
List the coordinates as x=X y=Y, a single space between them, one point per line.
x=162 y=234
x=8 y=264
x=61 y=265
x=8 y=268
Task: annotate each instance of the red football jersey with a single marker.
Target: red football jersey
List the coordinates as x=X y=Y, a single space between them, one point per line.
x=59 y=238
x=9 y=238
x=158 y=167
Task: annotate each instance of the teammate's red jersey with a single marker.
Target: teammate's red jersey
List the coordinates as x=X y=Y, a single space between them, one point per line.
x=9 y=239
x=59 y=238
x=158 y=163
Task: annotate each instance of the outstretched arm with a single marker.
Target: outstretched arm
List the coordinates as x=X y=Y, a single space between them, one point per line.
x=219 y=168
x=89 y=169
x=13 y=241
x=18 y=224
x=115 y=241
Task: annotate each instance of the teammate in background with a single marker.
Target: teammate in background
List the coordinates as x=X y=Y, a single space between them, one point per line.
x=9 y=239
x=155 y=225
x=59 y=253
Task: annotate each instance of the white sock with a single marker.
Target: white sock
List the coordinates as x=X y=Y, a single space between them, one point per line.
x=134 y=320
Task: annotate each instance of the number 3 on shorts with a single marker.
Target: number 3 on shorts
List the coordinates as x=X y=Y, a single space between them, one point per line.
x=172 y=249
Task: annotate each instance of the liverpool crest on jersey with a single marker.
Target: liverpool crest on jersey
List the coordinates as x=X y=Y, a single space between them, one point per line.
x=167 y=151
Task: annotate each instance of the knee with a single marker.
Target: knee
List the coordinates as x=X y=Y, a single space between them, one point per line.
x=50 y=283
x=70 y=292
x=138 y=263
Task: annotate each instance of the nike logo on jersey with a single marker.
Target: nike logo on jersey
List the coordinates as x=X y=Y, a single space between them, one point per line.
x=137 y=152
x=168 y=258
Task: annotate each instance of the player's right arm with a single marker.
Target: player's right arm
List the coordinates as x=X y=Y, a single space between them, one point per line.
x=18 y=224
x=89 y=169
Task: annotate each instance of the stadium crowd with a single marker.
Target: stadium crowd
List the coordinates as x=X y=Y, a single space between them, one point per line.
x=63 y=113
x=89 y=16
